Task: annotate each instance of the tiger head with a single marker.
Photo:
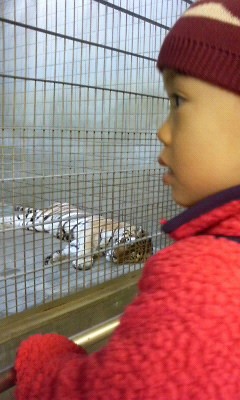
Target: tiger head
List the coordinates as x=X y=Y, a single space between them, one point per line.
x=130 y=244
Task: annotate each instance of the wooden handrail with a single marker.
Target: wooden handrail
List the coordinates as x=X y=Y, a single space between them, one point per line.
x=84 y=339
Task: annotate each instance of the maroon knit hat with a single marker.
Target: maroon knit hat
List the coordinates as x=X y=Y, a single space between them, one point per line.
x=205 y=43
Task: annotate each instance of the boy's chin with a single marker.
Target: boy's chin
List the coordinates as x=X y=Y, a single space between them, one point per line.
x=182 y=200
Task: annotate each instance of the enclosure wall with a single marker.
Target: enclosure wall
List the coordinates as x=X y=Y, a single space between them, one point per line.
x=81 y=102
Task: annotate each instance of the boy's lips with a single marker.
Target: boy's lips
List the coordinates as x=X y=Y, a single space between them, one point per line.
x=164 y=164
x=169 y=174
x=167 y=177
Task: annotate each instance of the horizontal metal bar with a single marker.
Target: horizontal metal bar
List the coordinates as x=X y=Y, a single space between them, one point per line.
x=7 y=379
x=133 y=14
x=138 y=16
x=77 y=174
x=81 y=130
x=65 y=83
x=85 y=338
x=74 y=39
x=97 y=333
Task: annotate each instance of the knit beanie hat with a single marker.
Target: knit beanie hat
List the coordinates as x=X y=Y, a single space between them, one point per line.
x=205 y=43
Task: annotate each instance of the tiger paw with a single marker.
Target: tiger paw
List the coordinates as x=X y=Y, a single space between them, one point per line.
x=48 y=260
x=83 y=263
x=52 y=257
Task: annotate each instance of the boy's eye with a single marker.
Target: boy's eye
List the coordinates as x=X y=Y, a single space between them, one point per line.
x=176 y=101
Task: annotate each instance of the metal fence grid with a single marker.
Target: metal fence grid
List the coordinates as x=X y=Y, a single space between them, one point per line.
x=81 y=102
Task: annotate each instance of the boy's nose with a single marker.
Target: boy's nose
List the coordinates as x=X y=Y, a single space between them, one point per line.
x=164 y=134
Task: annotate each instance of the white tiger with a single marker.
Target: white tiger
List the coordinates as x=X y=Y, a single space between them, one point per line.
x=87 y=234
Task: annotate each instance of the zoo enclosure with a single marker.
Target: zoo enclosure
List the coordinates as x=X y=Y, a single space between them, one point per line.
x=81 y=102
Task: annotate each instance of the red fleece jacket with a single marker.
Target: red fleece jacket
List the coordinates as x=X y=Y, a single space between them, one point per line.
x=179 y=339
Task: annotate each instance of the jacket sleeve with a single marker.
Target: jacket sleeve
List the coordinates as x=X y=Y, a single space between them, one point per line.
x=174 y=341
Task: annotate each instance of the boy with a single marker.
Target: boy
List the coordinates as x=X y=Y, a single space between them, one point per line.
x=180 y=339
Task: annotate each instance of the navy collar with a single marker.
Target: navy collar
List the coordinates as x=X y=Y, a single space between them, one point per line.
x=204 y=206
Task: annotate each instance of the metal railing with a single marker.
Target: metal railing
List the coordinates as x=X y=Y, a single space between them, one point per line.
x=84 y=339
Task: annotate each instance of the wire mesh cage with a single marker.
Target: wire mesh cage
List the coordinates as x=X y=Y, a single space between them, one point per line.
x=81 y=101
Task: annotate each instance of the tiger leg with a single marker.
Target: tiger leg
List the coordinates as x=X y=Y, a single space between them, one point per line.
x=82 y=259
x=83 y=255
x=16 y=220
x=58 y=255
x=81 y=248
x=85 y=246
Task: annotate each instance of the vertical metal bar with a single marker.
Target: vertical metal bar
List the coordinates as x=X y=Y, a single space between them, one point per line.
x=45 y=111
x=46 y=143
x=5 y=300
x=35 y=112
x=13 y=164
x=73 y=64
x=72 y=122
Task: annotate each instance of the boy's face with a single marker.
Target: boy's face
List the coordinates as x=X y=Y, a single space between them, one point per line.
x=201 y=138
